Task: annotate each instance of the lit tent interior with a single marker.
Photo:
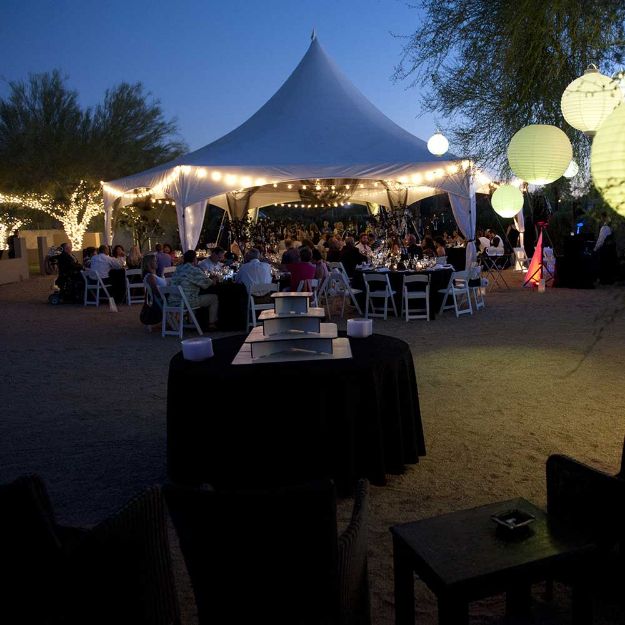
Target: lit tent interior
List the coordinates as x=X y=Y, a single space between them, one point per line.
x=317 y=141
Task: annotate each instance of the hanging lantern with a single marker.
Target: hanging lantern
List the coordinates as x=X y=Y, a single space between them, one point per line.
x=571 y=170
x=607 y=160
x=438 y=144
x=589 y=99
x=539 y=154
x=507 y=200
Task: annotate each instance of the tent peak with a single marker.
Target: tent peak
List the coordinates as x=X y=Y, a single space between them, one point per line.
x=313 y=35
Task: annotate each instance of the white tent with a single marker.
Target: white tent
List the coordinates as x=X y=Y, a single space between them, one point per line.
x=317 y=135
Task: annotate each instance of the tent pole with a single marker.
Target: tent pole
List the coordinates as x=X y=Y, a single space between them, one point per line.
x=221 y=225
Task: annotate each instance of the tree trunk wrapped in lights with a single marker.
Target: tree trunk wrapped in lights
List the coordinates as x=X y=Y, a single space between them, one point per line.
x=8 y=225
x=75 y=215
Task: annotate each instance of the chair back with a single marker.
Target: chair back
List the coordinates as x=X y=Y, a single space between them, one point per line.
x=167 y=271
x=263 y=289
x=441 y=260
x=371 y=278
x=264 y=555
x=133 y=272
x=167 y=291
x=416 y=278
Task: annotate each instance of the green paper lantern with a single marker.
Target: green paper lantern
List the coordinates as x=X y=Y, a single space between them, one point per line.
x=539 y=153
x=507 y=201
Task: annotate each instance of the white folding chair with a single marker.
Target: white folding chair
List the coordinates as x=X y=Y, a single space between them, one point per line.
x=549 y=264
x=135 y=289
x=174 y=313
x=259 y=290
x=458 y=288
x=477 y=285
x=441 y=260
x=311 y=285
x=409 y=295
x=385 y=293
x=521 y=261
x=338 y=285
x=93 y=284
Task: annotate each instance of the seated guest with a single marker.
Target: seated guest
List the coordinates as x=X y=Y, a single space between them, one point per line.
x=291 y=254
x=253 y=271
x=440 y=248
x=302 y=270
x=334 y=250
x=87 y=254
x=191 y=279
x=68 y=266
x=151 y=313
x=484 y=241
x=412 y=248
x=102 y=263
x=133 y=260
x=363 y=245
x=167 y=249
x=351 y=256
x=428 y=246
x=163 y=260
x=321 y=272
x=215 y=261
x=120 y=254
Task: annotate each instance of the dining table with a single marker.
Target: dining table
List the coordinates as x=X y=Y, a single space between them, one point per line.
x=439 y=277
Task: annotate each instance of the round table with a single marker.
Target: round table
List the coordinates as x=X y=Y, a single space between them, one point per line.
x=439 y=279
x=237 y=426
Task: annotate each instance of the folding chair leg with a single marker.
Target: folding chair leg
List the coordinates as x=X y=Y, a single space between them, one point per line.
x=394 y=305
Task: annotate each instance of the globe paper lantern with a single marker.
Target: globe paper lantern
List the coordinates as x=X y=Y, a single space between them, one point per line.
x=607 y=160
x=571 y=170
x=438 y=144
x=507 y=200
x=589 y=99
x=539 y=154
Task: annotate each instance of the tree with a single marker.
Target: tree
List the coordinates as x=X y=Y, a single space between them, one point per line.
x=141 y=219
x=130 y=134
x=75 y=214
x=43 y=135
x=493 y=66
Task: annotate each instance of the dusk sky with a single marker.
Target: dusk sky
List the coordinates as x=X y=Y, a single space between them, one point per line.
x=212 y=64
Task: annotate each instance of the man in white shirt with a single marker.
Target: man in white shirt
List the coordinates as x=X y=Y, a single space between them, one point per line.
x=253 y=271
x=605 y=232
x=214 y=262
x=102 y=263
x=363 y=245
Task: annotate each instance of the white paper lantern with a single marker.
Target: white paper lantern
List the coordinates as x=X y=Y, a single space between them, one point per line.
x=607 y=160
x=539 y=154
x=571 y=170
x=589 y=99
x=507 y=200
x=438 y=144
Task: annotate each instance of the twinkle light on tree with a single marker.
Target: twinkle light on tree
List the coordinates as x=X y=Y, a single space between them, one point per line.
x=75 y=215
x=8 y=225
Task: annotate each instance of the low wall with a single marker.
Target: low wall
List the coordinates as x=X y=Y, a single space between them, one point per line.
x=56 y=237
x=15 y=269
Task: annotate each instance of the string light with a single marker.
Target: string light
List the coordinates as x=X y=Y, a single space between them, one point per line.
x=83 y=206
x=8 y=225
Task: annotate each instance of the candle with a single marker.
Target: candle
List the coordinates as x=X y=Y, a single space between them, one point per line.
x=197 y=348
x=359 y=328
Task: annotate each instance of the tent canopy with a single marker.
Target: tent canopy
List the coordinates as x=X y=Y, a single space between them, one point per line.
x=317 y=127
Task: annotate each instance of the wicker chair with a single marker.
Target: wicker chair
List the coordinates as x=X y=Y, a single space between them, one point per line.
x=592 y=502
x=119 y=572
x=274 y=555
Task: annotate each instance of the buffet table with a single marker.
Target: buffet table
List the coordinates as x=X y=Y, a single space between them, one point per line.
x=238 y=426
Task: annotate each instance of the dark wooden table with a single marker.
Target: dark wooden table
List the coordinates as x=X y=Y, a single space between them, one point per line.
x=463 y=557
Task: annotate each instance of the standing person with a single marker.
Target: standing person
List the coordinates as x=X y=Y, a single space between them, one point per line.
x=191 y=279
x=605 y=249
x=351 y=256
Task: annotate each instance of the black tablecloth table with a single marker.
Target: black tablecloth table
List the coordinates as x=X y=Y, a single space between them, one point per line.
x=233 y=302
x=457 y=256
x=439 y=279
x=237 y=426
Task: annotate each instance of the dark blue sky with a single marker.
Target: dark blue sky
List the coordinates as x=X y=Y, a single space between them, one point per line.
x=212 y=64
